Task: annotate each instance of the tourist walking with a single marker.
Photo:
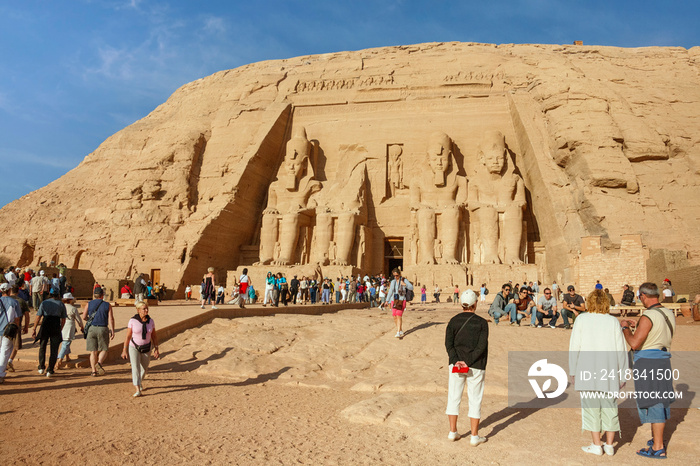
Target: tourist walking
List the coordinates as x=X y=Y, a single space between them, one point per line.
x=99 y=320
x=467 y=345
x=208 y=287
x=397 y=298
x=140 y=340
x=243 y=283
x=73 y=320
x=597 y=345
x=9 y=315
x=49 y=320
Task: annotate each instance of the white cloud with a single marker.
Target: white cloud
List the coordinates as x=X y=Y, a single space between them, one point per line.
x=214 y=25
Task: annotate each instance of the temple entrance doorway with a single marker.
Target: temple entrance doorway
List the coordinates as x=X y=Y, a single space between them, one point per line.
x=393 y=255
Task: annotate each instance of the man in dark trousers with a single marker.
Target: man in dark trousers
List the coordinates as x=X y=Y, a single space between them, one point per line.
x=51 y=316
x=467 y=344
x=294 y=289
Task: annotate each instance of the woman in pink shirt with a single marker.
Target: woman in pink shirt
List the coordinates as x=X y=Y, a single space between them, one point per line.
x=140 y=340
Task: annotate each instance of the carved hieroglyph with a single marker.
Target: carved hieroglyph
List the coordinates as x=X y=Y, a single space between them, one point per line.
x=439 y=191
x=496 y=190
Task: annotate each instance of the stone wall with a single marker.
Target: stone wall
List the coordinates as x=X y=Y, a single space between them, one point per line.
x=614 y=268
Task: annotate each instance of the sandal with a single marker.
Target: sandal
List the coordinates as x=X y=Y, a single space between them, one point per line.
x=651 y=453
x=100 y=369
x=94 y=374
x=650 y=443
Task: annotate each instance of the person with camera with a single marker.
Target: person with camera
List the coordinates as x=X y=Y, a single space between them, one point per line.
x=397 y=298
x=467 y=344
x=140 y=340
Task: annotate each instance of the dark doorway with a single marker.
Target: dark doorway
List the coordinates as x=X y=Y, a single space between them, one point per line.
x=393 y=254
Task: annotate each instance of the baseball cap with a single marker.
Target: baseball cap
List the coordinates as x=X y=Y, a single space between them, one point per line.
x=570 y=288
x=5 y=287
x=41 y=272
x=468 y=298
x=68 y=296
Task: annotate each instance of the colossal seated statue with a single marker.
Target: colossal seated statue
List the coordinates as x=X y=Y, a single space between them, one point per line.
x=289 y=197
x=344 y=201
x=496 y=189
x=441 y=191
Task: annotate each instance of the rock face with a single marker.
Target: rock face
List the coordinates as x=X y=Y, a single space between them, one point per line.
x=466 y=156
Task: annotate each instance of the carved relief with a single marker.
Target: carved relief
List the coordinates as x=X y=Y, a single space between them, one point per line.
x=395 y=167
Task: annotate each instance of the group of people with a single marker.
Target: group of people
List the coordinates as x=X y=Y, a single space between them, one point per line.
x=598 y=341
x=55 y=326
x=143 y=289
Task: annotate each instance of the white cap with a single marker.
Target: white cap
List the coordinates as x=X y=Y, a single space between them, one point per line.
x=468 y=298
x=68 y=296
x=41 y=272
x=4 y=287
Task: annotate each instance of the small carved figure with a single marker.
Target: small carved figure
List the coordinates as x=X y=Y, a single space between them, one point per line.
x=395 y=168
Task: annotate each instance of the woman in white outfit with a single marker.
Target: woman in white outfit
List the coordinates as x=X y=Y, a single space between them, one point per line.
x=141 y=339
x=597 y=346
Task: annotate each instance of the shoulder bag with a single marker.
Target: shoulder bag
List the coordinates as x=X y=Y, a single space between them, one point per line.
x=11 y=328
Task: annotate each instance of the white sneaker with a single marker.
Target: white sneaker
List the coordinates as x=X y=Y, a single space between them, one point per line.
x=202 y=307
x=49 y=374
x=398 y=335
x=453 y=436
x=608 y=449
x=476 y=440
x=41 y=371
x=401 y=333
x=593 y=449
x=214 y=307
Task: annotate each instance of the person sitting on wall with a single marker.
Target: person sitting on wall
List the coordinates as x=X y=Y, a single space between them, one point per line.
x=627 y=298
x=126 y=292
x=573 y=305
x=498 y=306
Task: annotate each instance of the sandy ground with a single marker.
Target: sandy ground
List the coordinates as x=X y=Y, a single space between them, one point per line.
x=289 y=389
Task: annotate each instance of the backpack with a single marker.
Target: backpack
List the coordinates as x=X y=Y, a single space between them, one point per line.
x=409 y=295
x=486 y=291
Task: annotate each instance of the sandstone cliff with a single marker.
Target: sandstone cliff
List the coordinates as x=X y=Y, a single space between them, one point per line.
x=606 y=140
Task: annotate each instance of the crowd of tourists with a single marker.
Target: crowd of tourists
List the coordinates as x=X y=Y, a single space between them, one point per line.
x=466 y=339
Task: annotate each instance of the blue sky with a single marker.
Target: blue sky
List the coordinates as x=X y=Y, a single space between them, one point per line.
x=73 y=72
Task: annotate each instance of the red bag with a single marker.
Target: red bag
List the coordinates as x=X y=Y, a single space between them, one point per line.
x=457 y=370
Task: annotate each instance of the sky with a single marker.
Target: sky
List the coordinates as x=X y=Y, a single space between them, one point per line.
x=74 y=72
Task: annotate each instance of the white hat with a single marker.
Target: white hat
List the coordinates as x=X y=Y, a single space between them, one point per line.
x=468 y=298
x=41 y=272
x=4 y=287
x=68 y=296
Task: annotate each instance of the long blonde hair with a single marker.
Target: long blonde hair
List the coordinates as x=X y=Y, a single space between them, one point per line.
x=598 y=302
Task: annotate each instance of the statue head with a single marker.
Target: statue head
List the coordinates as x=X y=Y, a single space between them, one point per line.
x=296 y=158
x=439 y=155
x=492 y=151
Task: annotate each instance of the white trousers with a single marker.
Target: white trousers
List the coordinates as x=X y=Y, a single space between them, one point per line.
x=139 y=364
x=5 y=352
x=268 y=294
x=475 y=392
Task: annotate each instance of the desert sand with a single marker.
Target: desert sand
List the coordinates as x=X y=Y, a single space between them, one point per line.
x=292 y=389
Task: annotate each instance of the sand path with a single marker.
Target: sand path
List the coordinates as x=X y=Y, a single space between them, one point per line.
x=290 y=389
